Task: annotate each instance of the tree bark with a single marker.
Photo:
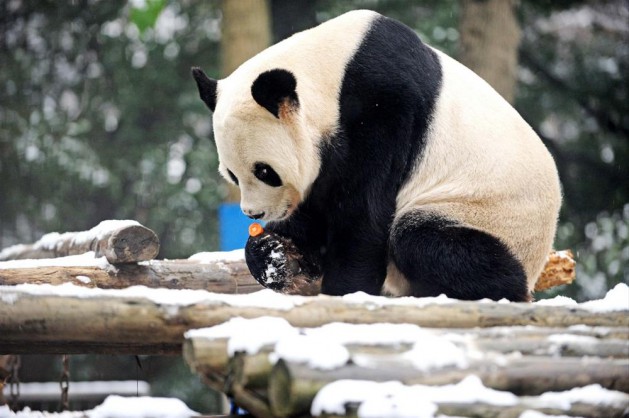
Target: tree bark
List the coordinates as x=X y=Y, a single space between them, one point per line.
x=490 y=35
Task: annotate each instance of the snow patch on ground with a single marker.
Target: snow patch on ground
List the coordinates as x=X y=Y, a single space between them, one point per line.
x=115 y=406
x=140 y=407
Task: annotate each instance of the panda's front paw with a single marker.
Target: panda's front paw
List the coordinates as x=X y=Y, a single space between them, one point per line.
x=265 y=255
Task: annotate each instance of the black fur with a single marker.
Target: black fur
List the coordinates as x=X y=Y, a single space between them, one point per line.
x=437 y=256
x=274 y=87
x=206 y=86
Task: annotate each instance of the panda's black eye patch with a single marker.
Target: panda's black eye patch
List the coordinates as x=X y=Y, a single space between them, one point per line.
x=231 y=176
x=266 y=174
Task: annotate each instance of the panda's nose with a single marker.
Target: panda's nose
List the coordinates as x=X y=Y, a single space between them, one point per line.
x=255 y=215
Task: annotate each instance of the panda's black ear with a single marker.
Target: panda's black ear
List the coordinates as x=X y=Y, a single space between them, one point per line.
x=275 y=90
x=207 y=87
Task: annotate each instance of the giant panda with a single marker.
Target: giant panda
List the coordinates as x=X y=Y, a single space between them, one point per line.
x=389 y=167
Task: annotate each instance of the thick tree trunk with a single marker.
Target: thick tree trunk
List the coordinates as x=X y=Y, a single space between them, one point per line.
x=246 y=31
x=490 y=35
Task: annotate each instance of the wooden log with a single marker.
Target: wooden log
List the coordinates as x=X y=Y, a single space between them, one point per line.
x=205 y=355
x=512 y=411
x=292 y=387
x=220 y=276
x=118 y=241
x=51 y=324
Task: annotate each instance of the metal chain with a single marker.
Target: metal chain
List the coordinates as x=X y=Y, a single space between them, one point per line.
x=14 y=364
x=64 y=382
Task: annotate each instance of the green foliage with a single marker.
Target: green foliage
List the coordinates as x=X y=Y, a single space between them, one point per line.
x=146 y=16
x=101 y=122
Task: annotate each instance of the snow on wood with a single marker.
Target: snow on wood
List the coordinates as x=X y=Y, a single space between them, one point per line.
x=74 y=319
x=119 y=241
x=281 y=374
x=226 y=273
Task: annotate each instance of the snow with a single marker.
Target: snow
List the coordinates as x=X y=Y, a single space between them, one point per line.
x=84 y=279
x=218 y=256
x=557 y=301
x=101 y=230
x=324 y=347
x=617 y=299
x=590 y=394
x=435 y=352
x=87 y=259
x=116 y=406
x=139 y=407
x=394 y=399
x=316 y=352
x=5 y=412
x=363 y=298
x=265 y=298
x=535 y=414
x=247 y=335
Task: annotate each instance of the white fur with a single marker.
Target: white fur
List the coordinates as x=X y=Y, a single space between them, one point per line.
x=245 y=132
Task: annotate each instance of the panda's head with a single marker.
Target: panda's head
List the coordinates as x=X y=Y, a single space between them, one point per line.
x=263 y=144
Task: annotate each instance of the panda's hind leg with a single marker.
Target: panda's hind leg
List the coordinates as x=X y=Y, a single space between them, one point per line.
x=436 y=255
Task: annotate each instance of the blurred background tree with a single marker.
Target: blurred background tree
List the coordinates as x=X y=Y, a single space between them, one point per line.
x=99 y=118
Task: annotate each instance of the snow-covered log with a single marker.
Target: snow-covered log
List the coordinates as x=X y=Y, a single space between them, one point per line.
x=129 y=242
x=73 y=319
x=219 y=272
x=119 y=241
x=280 y=369
x=292 y=386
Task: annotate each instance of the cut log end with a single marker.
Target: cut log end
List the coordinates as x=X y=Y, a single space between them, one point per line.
x=559 y=270
x=131 y=244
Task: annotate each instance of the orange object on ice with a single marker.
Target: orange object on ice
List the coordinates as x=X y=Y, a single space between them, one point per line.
x=255 y=229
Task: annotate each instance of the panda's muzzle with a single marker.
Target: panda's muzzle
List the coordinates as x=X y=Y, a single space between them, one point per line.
x=259 y=215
